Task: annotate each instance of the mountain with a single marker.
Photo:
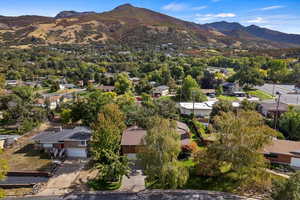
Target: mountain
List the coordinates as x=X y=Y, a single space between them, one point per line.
x=68 y=14
x=128 y=25
x=255 y=33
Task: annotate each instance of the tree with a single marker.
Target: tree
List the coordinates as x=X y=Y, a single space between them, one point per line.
x=87 y=109
x=277 y=70
x=65 y=116
x=105 y=146
x=191 y=91
x=240 y=138
x=290 y=190
x=249 y=75
x=248 y=105
x=159 y=157
x=3 y=171
x=289 y=124
x=2 y=82
x=220 y=107
x=54 y=86
x=123 y=84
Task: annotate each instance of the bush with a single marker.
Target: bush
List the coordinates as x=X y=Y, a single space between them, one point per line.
x=26 y=125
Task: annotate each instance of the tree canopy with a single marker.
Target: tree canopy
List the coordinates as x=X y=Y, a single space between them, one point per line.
x=159 y=156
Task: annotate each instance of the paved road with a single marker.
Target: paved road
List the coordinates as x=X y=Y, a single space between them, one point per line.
x=287 y=92
x=147 y=195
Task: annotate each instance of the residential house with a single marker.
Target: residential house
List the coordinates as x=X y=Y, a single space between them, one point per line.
x=283 y=152
x=160 y=91
x=230 y=88
x=13 y=83
x=66 y=86
x=53 y=101
x=135 y=80
x=270 y=109
x=71 y=142
x=106 y=88
x=200 y=109
x=133 y=139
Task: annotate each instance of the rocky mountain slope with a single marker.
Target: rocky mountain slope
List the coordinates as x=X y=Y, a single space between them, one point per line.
x=129 y=25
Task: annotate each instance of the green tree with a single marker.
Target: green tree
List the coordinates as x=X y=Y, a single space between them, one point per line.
x=248 y=105
x=123 y=84
x=249 y=75
x=290 y=190
x=289 y=124
x=2 y=82
x=191 y=91
x=65 y=116
x=87 y=109
x=159 y=156
x=105 y=147
x=220 y=107
x=240 y=138
x=277 y=70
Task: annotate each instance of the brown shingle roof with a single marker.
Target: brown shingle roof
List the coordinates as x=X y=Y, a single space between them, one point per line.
x=283 y=147
x=133 y=136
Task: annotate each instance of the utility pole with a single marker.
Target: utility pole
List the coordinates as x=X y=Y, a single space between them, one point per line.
x=193 y=95
x=277 y=110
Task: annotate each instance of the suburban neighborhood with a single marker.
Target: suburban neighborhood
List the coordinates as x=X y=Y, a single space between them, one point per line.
x=129 y=103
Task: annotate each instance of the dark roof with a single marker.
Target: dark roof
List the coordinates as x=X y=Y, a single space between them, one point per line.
x=133 y=136
x=273 y=106
x=79 y=136
x=76 y=134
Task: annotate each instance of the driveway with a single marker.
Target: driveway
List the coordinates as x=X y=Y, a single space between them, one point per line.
x=135 y=182
x=61 y=183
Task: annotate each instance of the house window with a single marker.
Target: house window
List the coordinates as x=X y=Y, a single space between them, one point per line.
x=83 y=143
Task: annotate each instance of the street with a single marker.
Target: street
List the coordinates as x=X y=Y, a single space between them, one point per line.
x=287 y=92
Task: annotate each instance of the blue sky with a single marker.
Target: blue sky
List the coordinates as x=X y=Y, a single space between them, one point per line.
x=282 y=15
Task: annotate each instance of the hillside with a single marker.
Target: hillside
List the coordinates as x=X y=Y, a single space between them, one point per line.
x=128 y=25
x=255 y=33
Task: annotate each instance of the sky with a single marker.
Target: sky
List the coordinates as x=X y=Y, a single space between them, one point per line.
x=281 y=15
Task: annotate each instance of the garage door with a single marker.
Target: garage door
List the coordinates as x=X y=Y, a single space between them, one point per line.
x=76 y=153
x=295 y=162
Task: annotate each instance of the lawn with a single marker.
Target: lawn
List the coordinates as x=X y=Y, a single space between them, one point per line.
x=27 y=159
x=227 y=98
x=260 y=94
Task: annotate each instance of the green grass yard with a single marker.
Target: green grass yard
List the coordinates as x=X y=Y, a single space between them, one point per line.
x=260 y=94
x=227 y=98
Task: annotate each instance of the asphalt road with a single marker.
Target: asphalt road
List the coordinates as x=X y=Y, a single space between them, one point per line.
x=147 y=195
x=287 y=92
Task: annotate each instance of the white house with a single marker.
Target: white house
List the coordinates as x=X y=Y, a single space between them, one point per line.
x=200 y=109
x=159 y=91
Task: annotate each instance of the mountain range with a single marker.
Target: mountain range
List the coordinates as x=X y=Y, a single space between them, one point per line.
x=136 y=27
